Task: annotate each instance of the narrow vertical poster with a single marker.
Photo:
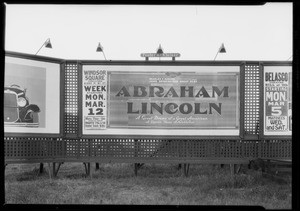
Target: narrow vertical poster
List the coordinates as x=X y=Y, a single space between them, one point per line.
x=94 y=98
x=278 y=101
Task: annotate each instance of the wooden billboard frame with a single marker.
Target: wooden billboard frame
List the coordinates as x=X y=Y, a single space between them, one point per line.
x=80 y=63
x=61 y=63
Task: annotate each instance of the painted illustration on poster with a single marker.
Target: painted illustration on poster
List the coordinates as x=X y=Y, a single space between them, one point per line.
x=24 y=96
x=278 y=101
x=173 y=100
x=94 y=99
x=31 y=96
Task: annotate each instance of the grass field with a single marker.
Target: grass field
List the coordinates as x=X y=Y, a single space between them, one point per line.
x=156 y=184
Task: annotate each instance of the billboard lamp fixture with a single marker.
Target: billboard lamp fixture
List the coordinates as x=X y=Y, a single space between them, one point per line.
x=221 y=50
x=159 y=50
x=100 y=49
x=47 y=44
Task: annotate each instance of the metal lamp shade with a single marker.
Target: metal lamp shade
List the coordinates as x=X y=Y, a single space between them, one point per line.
x=99 y=48
x=222 y=49
x=159 y=50
x=48 y=44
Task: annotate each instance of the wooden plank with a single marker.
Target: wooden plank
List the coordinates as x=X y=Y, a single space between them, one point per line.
x=50 y=171
x=136 y=169
x=56 y=170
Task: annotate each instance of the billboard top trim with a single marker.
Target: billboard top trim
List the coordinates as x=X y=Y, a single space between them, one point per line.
x=143 y=62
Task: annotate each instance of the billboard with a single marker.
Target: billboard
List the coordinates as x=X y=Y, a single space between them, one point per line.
x=31 y=96
x=277 y=100
x=160 y=100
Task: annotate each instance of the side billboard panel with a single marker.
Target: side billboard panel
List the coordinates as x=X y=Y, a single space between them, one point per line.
x=277 y=100
x=161 y=100
x=31 y=96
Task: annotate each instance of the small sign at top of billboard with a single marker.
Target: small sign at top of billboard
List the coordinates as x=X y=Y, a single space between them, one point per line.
x=160 y=55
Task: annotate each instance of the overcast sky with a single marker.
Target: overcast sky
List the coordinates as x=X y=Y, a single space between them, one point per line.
x=196 y=32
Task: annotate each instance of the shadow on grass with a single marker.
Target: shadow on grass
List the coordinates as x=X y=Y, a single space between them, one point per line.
x=76 y=176
x=31 y=175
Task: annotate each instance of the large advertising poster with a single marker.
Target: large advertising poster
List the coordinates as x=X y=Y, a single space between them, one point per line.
x=31 y=96
x=158 y=100
x=161 y=100
x=278 y=100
